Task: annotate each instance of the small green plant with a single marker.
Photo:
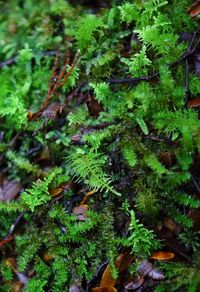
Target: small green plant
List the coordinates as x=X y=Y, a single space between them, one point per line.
x=100 y=128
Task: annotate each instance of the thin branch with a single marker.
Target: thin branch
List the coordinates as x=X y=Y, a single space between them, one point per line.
x=195 y=184
x=148 y=78
x=14 y=225
x=8 y=62
x=57 y=80
x=187 y=89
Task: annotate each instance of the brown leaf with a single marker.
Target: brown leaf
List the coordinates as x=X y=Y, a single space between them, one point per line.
x=9 y=190
x=87 y=195
x=81 y=212
x=169 y=223
x=11 y=262
x=30 y=115
x=162 y=255
x=194 y=9
x=156 y=275
x=52 y=111
x=123 y=261
x=194 y=102
x=55 y=192
x=135 y=284
x=166 y=158
x=47 y=257
x=107 y=279
x=94 y=106
x=104 y=289
x=17 y=286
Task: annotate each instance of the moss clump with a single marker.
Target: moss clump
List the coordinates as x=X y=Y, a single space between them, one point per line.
x=94 y=116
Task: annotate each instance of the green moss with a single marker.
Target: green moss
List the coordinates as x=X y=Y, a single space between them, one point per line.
x=105 y=133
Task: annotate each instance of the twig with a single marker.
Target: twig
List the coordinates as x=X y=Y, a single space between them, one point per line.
x=158 y=139
x=57 y=80
x=8 y=62
x=9 y=237
x=195 y=184
x=14 y=225
x=186 y=80
x=148 y=78
x=187 y=90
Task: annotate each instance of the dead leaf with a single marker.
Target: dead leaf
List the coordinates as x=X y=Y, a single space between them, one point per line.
x=9 y=190
x=135 y=284
x=30 y=115
x=52 y=111
x=94 y=107
x=11 y=262
x=55 y=192
x=87 y=195
x=77 y=140
x=194 y=102
x=169 y=223
x=172 y=226
x=17 y=287
x=47 y=257
x=156 y=275
x=194 y=9
x=166 y=158
x=123 y=261
x=107 y=279
x=144 y=268
x=162 y=255
x=104 y=289
x=81 y=212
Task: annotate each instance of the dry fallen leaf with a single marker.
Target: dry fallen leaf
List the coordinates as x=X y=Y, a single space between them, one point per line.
x=104 y=289
x=194 y=9
x=87 y=195
x=17 y=286
x=156 y=275
x=194 y=102
x=135 y=284
x=162 y=255
x=52 y=111
x=107 y=279
x=123 y=261
x=9 y=190
x=47 y=257
x=55 y=192
x=81 y=212
x=144 y=268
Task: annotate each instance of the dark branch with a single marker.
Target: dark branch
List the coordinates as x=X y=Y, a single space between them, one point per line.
x=148 y=78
